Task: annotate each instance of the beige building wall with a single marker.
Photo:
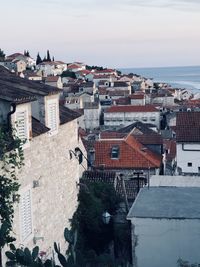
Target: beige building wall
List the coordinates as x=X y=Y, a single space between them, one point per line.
x=54 y=196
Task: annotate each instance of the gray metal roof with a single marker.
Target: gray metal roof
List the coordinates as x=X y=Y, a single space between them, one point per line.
x=167 y=202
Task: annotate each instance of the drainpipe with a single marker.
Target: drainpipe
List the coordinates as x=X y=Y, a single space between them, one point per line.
x=13 y=105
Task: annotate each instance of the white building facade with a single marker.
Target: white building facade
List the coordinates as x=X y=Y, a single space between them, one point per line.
x=126 y=115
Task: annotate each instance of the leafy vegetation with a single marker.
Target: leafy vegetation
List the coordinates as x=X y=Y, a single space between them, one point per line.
x=94 y=67
x=94 y=237
x=69 y=74
x=2 y=55
x=11 y=159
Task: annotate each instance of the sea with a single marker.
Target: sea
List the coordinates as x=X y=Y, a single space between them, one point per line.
x=177 y=77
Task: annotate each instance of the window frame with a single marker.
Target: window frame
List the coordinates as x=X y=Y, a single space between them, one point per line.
x=51 y=102
x=25 y=238
x=19 y=109
x=115 y=149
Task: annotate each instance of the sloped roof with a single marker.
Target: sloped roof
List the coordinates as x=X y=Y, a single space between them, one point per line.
x=110 y=177
x=167 y=202
x=123 y=101
x=120 y=84
x=10 y=79
x=137 y=96
x=14 y=94
x=170 y=145
x=143 y=133
x=188 y=127
x=67 y=115
x=132 y=154
x=38 y=128
x=52 y=78
x=147 y=108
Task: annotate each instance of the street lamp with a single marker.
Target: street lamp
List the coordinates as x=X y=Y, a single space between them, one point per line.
x=106 y=217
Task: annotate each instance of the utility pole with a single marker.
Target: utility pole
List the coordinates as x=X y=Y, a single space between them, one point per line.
x=124 y=191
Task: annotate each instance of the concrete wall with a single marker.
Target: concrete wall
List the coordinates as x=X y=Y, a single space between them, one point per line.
x=180 y=181
x=91 y=118
x=188 y=153
x=127 y=118
x=54 y=200
x=161 y=242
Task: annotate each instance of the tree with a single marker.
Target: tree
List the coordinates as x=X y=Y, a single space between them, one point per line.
x=89 y=238
x=11 y=159
x=94 y=237
x=68 y=73
x=2 y=55
x=38 y=60
x=44 y=59
x=26 y=53
x=48 y=56
x=94 y=67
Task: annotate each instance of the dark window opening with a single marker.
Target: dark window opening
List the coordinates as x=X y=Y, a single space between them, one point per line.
x=189 y=164
x=115 y=152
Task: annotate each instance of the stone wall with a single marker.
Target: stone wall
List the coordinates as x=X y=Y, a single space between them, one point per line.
x=54 y=199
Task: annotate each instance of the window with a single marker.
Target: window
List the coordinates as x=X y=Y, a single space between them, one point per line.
x=144 y=118
x=115 y=152
x=26 y=215
x=22 y=125
x=189 y=164
x=152 y=118
x=52 y=116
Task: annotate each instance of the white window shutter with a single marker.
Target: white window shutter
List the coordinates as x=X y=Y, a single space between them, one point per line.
x=22 y=126
x=26 y=215
x=52 y=117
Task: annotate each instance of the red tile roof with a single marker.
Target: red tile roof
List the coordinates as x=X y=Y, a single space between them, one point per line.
x=102 y=91
x=51 y=79
x=122 y=101
x=132 y=155
x=118 y=93
x=147 y=108
x=188 y=127
x=170 y=146
x=133 y=96
x=73 y=66
x=104 y=71
x=103 y=76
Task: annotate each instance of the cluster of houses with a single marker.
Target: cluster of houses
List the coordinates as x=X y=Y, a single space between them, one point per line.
x=142 y=137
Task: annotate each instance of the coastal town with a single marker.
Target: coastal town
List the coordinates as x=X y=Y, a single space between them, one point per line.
x=82 y=125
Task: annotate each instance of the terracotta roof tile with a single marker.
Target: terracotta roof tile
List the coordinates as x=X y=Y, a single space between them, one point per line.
x=137 y=96
x=51 y=79
x=110 y=177
x=170 y=146
x=67 y=115
x=188 y=127
x=130 y=155
x=38 y=128
x=147 y=108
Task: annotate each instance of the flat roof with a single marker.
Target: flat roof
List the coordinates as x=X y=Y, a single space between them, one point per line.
x=166 y=202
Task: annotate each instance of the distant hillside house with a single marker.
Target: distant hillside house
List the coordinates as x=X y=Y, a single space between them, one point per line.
x=55 y=81
x=76 y=66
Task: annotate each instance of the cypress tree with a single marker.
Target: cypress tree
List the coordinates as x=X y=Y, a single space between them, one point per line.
x=38 y=60
x=48 y=56
x=2 y=55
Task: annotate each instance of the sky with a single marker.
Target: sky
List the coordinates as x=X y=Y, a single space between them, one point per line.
x=109 y=33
